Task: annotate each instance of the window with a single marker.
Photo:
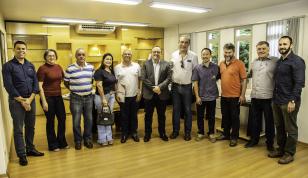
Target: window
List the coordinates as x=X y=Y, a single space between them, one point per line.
x=243 y=42
x=213 y=44
x=277 y=29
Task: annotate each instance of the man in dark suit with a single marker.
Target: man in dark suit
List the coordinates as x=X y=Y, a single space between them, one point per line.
x=155 y=75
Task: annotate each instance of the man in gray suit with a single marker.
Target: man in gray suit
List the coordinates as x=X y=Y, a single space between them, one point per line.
x=155 y=75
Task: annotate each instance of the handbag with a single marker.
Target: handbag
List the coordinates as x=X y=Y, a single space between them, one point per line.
x=105 y=117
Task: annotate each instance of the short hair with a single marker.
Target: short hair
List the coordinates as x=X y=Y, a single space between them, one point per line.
x=77 y=50
x=206 y=49
x=229 y=46
x=50 y=50
x=186 y=37
x=127 y=50
x=156 y=47
x=263 y=43
x=290 y=39
x=19 y=42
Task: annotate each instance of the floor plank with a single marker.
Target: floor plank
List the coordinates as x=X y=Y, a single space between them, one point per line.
x=157 y=159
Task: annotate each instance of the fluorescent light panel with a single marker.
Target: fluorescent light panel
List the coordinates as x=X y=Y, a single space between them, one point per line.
x=117 y=23
x=66 y=20
x=126 y=2
x=178 y=7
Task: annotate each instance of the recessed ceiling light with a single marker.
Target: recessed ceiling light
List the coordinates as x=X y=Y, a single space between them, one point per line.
x=66 y=20
x=126 y=2
x=178 y=7
x=117 y=23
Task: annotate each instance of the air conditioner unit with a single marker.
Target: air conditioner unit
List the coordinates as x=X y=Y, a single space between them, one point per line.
x=100 y=29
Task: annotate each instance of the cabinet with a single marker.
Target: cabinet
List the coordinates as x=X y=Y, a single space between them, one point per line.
x=145 y=45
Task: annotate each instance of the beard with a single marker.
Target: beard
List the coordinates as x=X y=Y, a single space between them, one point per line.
x=284 y=51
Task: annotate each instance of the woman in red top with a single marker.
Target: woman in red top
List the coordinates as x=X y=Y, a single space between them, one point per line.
x=50 y=76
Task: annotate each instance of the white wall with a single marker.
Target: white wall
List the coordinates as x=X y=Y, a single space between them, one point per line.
x=259 y=17
x=5 y=121
x=171 y=35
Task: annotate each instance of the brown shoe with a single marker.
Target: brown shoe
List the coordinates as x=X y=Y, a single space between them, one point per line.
x=286 y=158
x=275 y=154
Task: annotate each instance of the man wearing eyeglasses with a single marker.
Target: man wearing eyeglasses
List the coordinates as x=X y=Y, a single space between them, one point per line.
x=183 y=62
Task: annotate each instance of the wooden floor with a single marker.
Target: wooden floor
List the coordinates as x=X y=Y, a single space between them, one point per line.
x=173 y=159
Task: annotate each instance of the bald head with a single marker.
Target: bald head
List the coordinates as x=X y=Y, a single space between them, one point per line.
x=127 y=56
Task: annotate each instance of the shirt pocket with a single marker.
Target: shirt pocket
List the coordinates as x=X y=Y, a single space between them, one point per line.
x=30 y=72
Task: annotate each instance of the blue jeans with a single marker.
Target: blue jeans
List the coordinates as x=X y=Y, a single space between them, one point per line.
x=181 y=94
x=20 y=118
x=81 y=105
x=104 y=132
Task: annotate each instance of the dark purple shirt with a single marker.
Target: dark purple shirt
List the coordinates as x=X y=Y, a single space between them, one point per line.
x=289 y=78
x=207 y=78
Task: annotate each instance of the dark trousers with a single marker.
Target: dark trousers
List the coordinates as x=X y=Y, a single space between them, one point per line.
x=181 y=94
x=260 y=107
x=22 y=118
x=81 y=105
x=286 y=127
x=55 y=108
x=129 y=123
x=160 y=106
x=210 y=107
x=230 y=111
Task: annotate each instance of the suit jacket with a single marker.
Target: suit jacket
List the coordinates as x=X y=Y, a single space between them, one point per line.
x=148 y=80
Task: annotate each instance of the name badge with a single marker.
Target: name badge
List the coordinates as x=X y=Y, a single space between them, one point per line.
x=188 y=60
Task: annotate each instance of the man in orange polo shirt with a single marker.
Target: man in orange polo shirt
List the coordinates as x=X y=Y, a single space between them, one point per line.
x=233 y=88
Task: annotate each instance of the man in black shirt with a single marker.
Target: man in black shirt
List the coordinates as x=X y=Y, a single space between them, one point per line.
x=289 y=80
x=20 y=82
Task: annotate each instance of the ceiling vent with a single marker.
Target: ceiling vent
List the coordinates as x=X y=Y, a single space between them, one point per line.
x=100 y=29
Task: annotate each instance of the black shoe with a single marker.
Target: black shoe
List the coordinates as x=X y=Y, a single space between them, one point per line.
x=233 y=143
x=23 y=161
x=123 y=139
x=174 y=135
x=34 y=152
x=88 y=144
x=270 y=148
x=146 y=138
x=135 y=137
x=251 y=144
x=164 y=137
x=187 y=137
x=78 y=146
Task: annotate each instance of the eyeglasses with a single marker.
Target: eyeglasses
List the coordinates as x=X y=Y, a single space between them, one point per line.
x=182 y=64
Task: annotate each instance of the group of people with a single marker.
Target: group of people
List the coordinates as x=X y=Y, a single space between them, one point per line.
x=276 y=93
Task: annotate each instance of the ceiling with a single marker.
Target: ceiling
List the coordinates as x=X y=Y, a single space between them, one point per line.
x=33 y=10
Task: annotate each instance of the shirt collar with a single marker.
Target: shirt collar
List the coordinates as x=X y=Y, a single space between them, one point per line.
x=154 y=61
x=291 y=55
x=210 y=63
x=16 y=60
x=85 y=65
x=266 y=59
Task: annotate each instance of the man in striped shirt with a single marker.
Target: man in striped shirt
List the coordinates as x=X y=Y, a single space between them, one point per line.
x=78 y=79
